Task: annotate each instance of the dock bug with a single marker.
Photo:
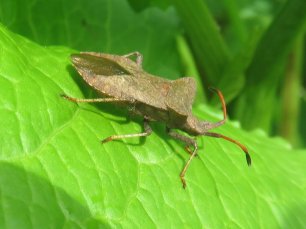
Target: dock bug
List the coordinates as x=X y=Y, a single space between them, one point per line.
x=119 y=79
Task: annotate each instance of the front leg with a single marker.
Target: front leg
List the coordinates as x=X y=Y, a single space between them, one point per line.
x=189 y=142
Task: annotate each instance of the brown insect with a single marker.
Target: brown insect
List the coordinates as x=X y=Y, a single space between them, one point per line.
x=123 y=81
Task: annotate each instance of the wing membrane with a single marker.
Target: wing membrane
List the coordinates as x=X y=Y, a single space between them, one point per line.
x=97 y=65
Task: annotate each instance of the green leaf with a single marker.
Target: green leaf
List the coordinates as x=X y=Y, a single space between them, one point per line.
x=55 y=173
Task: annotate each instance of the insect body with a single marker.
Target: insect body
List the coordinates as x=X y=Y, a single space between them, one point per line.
x=121 y=80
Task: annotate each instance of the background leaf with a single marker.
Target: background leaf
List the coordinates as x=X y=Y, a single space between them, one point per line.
x=54 y=170
x=101 y=25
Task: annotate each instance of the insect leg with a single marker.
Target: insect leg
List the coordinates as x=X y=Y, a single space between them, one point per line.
x=97 y=100
x=138 y=55
x=147 y=131
x=189 y=142
x=216 y=135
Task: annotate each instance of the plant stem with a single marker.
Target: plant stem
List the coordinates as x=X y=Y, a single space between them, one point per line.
x=291 y=94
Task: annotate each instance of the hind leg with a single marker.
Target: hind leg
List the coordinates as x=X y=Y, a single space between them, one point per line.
x=147 y=131
x=189 y=142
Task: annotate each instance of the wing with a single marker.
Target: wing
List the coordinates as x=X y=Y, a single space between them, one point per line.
x=104 y=72
x=88 y=64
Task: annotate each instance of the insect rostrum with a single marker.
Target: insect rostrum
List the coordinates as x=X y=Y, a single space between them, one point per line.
x=121 y=80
